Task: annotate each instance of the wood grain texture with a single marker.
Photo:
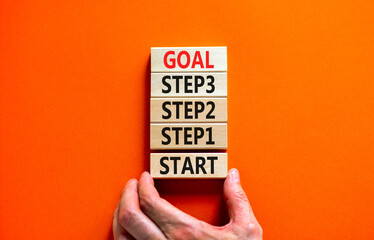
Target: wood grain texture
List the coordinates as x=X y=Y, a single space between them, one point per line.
x=188 y=136
x=189 y=84
x=189 y=165
x=217 y=59
x=188 y=110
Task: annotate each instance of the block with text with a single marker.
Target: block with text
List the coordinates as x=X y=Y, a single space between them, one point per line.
x=188 y=111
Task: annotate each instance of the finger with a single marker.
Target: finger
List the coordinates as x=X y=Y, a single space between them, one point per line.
x=119 y=233
x=172 y=221
x=236 y=200
x=132 y=219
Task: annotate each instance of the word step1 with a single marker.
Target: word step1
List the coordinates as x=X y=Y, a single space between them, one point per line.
x=188 y=136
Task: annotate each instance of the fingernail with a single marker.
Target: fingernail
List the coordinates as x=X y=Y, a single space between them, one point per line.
x=144 y=173
x=234 y=173
x=133 y=180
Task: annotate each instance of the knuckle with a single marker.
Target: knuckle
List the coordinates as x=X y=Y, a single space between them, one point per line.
x=127 y=216
x=184 y=232
x=202 y=231
x=253 y=230
x=240 y=195
x=146 y=203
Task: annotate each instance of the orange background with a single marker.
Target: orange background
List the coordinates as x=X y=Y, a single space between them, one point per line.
x=74 y=109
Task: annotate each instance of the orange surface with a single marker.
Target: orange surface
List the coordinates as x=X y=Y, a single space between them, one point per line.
x=74 y=95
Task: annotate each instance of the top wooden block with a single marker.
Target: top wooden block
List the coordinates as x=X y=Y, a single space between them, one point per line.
x=189 y=59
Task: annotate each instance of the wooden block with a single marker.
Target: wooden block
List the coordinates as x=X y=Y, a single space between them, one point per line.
x=189 y=165
x=189 y=84
x=189 y=59
x=188 y=136
x=188 y=110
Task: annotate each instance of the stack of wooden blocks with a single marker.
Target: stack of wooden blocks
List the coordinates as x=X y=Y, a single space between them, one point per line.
x=188 y=112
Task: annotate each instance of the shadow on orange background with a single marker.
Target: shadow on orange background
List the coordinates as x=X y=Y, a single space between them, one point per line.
x=74 y=112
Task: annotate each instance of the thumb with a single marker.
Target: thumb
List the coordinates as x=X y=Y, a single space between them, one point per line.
x=236 y=200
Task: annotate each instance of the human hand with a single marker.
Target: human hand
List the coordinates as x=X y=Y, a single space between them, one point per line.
x=142 y=214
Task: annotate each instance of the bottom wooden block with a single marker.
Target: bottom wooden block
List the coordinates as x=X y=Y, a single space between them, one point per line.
x=189 y=165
